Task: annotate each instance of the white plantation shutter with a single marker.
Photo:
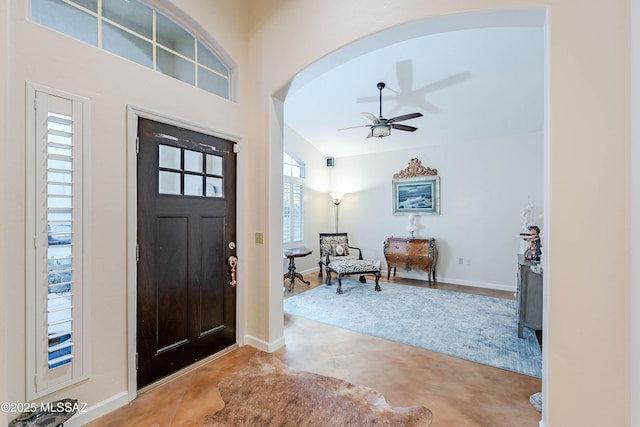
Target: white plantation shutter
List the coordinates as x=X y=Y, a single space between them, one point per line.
x=297 y=213
x=287 y=212
x=292 y=191
x=57 y=312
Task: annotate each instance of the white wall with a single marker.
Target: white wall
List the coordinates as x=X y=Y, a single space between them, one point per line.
x=484 y=185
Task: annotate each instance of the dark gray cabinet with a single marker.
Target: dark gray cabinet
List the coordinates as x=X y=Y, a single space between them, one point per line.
x=528 y=296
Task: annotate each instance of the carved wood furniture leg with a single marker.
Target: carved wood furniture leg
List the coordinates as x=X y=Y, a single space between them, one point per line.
x=292 y=273
x=377 y=274
x=328 y=279
x=301 y=278
x=320 y=270
x=339 y=290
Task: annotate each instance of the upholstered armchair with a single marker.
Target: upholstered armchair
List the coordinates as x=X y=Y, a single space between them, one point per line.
x=335 y=246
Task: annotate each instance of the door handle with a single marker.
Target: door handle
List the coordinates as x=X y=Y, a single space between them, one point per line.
x=232 y=264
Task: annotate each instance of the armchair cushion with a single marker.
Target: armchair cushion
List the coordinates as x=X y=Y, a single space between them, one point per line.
x=339 y=249
x=353 y=266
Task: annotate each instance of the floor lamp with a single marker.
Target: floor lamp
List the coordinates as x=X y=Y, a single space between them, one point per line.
x=336 y=198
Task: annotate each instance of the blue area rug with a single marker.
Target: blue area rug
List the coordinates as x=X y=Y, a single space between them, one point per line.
x=472 y=327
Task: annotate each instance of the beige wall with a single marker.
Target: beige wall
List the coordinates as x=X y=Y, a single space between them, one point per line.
x=586 y=329
x=50 y=59
x=4 y=347
x=586 y=348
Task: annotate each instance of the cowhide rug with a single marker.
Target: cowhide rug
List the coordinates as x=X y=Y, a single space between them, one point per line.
x=267 y=393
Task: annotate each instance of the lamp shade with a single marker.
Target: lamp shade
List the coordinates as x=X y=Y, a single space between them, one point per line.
x=336 y=196
x=381 y=130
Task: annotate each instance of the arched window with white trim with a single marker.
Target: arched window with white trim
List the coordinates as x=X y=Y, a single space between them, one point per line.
x=133 y=30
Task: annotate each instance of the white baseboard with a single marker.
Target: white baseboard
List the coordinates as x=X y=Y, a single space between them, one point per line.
x=96 y=411
x=541 y=424
x=308 y=271
x=263 y=345
x=496 y=286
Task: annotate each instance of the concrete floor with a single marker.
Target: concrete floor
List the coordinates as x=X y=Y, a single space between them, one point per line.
x=458 y=392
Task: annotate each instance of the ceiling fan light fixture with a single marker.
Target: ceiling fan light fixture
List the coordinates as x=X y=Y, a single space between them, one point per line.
x=381 y=126
x=380 y=130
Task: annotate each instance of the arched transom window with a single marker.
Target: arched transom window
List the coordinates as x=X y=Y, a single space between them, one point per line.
x=135 y=31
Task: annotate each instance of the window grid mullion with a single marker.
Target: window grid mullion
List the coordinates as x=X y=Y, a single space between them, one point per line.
x=155 y=45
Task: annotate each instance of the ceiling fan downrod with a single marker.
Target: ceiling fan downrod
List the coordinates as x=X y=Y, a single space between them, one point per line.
x=381 y=86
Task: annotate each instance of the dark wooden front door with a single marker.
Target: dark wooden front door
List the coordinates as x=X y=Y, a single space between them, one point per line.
x=186 y=221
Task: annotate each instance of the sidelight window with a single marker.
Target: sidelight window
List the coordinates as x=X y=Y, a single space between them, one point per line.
x=56 y=317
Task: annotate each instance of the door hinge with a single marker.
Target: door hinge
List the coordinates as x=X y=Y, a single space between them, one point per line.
x=137 y=252
x=137 y=144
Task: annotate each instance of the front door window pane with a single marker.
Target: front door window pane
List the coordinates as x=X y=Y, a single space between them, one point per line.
x=192 y=161
x=169 y=157
x=214 y=165
x=214 y=187
x=193 y=185
x=168 y=182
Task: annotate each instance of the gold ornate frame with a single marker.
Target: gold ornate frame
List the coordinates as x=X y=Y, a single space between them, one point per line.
x=416 y=190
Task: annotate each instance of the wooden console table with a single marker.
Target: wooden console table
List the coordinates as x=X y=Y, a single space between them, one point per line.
x=411 y=253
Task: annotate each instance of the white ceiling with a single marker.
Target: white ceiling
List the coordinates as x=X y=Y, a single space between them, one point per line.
x=470 y=84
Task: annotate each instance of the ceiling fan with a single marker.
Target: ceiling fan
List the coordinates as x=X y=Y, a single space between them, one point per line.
x=382 y=127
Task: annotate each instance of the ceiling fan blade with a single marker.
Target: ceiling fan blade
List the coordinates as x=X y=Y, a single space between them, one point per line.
x=370 y=116
x=405 y=117
x=404 y=127
x=353 y=127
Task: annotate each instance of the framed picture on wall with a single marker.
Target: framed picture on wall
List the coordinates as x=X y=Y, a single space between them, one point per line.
x=416 y=196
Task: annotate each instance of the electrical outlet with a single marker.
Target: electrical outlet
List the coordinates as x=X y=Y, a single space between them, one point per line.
x=460 y=261
x=259 y=238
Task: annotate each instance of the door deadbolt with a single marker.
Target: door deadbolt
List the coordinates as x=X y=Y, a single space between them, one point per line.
x=232 y=245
